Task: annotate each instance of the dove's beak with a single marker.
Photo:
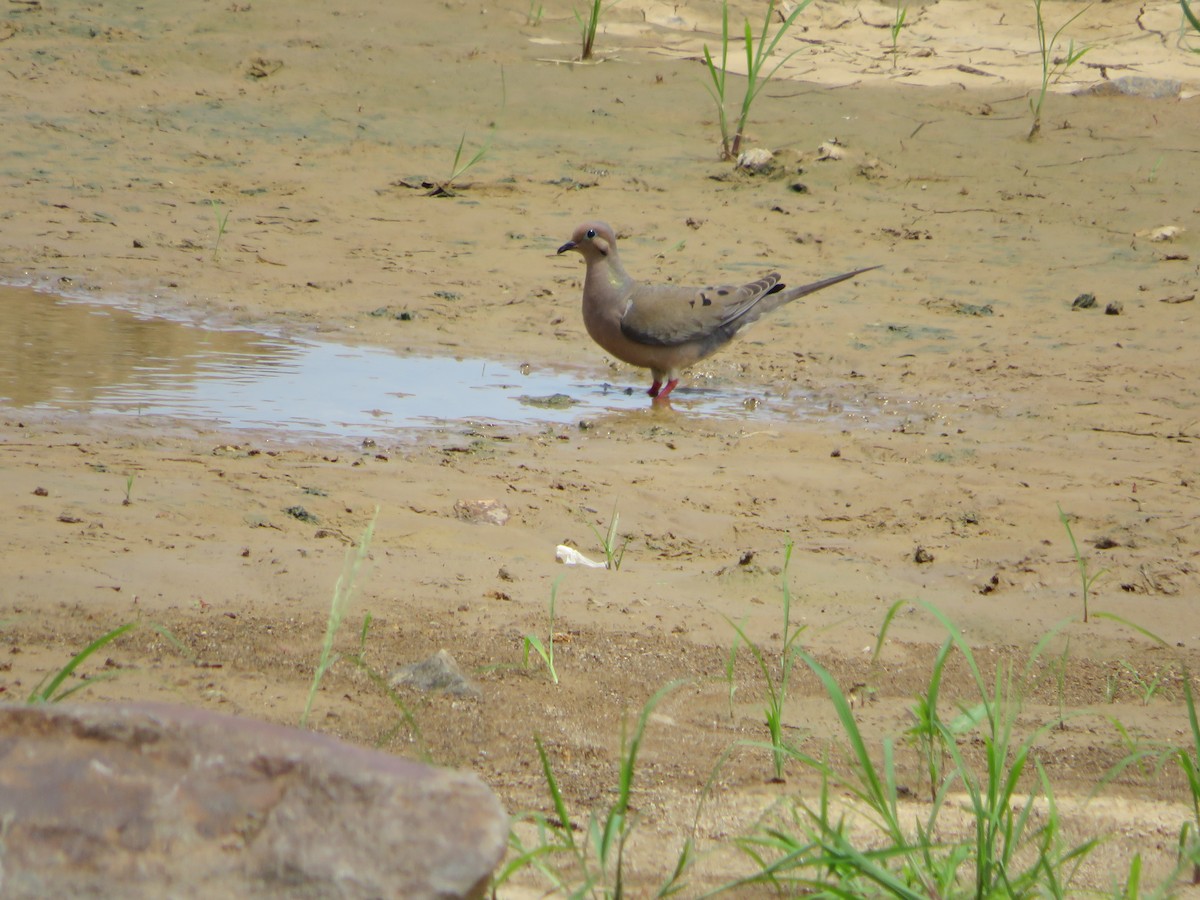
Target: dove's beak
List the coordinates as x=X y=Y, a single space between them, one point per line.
x=569 y=245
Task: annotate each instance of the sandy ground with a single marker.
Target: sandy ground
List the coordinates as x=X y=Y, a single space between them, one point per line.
x=971 y=399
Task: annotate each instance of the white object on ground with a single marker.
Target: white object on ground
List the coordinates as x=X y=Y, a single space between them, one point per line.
x=569 y=556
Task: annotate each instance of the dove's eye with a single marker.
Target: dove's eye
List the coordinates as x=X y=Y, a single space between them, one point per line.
x=591 y=233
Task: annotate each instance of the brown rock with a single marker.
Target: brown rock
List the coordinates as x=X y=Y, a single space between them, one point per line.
x=148 y=800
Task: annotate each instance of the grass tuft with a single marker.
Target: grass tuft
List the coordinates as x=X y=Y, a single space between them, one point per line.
x=222 y=220
x=592 y=864
x=588 y=26
x=613 y=554
x=758 y=51
x=776 y=688
x=461 y=165
x=343 y=591
x=545 y=650
x=50 y=689
x=897 y=26
x=1192 y=19
x=1051 y=68
x=873 y=846
x=1085 y=580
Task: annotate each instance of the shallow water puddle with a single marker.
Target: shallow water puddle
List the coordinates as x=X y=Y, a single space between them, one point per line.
x=65 y=354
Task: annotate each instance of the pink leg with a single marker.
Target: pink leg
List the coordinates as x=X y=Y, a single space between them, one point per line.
x=662 y=395
x=653 y=392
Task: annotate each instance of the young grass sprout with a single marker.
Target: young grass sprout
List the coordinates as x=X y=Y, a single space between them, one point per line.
x=1051 y=67
x=546 y=650
x=596 y=859
x=1188 y=760
x=613 y=554
x=1148 y=686
x=343 y=590
x=731 y=666
x=929 y=732
x=897 y=27
x=1085 y=580
x=777 y=688
x=758 y=52
x=588 y=26
x=380 y=681
x=460 y=166
x=222 y=219
x=1192 y=18
x=50 y=689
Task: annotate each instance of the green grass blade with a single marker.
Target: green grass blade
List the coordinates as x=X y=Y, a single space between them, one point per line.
x=85 y=683
x=49 y=693
x=883 y=629
x=343 y=591
x=556 y=797
x=1128 y=624
x=875 y=792
x=1191 y=16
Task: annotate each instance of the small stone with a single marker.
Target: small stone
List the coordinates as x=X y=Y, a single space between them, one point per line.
x=830 y=150
x=482 y=512
x=1165 y=233
x=922 y=556
x=1134 y=86
x=439 y=673
x=1084 y=301
x=1114 y=309
x=550 y=401
x=757 y=160
x=301 y=514
x=261 y=67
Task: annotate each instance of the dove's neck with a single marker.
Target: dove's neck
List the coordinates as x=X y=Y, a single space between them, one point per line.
x=607 y=278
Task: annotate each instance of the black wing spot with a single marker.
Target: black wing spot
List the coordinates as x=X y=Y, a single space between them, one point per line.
x=775 y=290
x=704 y=300
x=722 y=292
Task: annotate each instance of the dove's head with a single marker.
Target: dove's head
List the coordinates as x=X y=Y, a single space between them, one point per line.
x=593 y=240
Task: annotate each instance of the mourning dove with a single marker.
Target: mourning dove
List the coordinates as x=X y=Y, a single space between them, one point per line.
x=667 y=327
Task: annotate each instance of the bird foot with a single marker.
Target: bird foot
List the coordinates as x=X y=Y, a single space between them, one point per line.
x=665 y=392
